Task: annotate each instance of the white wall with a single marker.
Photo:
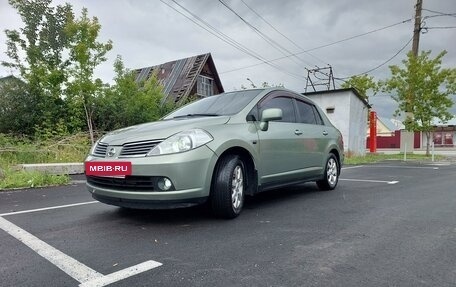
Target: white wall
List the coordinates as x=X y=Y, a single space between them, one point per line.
x=358 y=124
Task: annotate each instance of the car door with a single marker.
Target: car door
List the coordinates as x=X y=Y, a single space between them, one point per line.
x=279 y=146
x=313 y=136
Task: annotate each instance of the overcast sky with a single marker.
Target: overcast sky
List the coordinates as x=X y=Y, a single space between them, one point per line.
x=147 y=33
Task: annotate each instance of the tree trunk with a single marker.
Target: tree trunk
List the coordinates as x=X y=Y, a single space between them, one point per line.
x=89 y=123
x=428 y=137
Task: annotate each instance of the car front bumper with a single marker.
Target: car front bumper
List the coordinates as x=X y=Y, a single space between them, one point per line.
x=190 y=173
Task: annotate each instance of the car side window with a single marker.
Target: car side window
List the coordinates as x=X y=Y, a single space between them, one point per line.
x=283 y=103
x=306 y=113
x=318 y=116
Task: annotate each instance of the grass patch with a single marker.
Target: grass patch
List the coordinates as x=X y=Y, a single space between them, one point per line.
x=25 y=179
x=21 y=150
x=371 y=158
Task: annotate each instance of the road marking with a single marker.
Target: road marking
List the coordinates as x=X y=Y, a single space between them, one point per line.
x=122 y=274
x=77 y=270
x=48 y=208
x=350 y=167
x=370 y=180
x=78 y=181
x=70 y=266
x=405 y=167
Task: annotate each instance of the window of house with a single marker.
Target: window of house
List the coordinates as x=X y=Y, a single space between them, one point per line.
x=204 y=87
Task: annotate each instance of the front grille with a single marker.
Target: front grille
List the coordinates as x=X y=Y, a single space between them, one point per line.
x=137 y=149
x=144 y=183
x=100 y=149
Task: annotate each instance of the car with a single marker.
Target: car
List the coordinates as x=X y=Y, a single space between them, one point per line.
x=218 y=150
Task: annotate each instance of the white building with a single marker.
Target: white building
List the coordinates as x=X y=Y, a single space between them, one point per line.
x=348 y=111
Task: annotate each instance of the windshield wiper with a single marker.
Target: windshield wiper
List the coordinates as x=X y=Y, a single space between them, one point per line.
x=196 y=115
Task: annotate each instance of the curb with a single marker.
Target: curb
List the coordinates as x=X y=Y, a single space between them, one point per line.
x=55 y=168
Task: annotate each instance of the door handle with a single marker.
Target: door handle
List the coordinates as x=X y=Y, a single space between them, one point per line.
x=325 y=133
x=298 y=132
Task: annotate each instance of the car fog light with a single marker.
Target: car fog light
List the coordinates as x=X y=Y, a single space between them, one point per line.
x=164 y=184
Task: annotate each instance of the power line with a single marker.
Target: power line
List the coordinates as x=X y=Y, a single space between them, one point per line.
x=441 y=27
x=382 y=64
x=220 y=35
x=440 y=13
x=323 y=46
x=283 y=35
x=268 y=39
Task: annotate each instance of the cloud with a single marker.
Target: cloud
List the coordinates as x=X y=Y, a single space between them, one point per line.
x=148 y=32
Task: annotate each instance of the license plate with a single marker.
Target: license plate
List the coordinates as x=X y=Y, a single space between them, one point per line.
x=108 y=168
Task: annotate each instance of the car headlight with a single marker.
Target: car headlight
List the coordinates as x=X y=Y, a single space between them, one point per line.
x=181 y=142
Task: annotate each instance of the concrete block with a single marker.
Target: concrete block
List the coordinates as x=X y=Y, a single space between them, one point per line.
x=55 y=168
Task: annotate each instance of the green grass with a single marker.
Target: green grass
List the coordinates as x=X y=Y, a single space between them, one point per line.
x=371 y=158
x=20 y=150
x=24 y=179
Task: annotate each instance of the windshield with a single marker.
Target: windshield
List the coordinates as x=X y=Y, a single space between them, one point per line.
x=220 y=105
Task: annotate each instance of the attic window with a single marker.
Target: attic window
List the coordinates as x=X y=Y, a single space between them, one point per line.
x=330 y=110
x=204 y=86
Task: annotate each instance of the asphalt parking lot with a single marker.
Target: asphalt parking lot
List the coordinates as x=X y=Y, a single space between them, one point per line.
x=387 y=224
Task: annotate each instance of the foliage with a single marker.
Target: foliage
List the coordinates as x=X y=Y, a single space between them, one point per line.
x=23 y=179
x=56 y=55
x=56 y=93
x=19 y=150
x=16 y=150
x=36 y=51
x=15 y=100
x=423 y=88
x=86 y=53
x=363 y=84
x=263 y=85
x=371 y=158
x=133 y=102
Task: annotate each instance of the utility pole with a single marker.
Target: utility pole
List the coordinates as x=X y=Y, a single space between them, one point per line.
x=417 y=28
x=407 y=138
x=415 y=46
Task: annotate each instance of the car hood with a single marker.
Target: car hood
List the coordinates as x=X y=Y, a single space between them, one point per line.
x=160 y=130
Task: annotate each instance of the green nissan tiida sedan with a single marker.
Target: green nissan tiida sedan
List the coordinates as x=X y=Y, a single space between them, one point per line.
x=218 y=150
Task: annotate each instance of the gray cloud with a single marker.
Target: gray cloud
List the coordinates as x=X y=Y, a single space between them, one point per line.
x=149 y=32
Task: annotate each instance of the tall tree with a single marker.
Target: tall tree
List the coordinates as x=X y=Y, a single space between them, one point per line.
x=362 y=83
x=86 y=53
x=36 y=51
x=423 y=87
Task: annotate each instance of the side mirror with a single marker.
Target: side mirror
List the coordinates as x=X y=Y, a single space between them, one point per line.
x=269 y=115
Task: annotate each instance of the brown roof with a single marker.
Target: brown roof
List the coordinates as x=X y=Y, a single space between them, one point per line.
x=179 y=77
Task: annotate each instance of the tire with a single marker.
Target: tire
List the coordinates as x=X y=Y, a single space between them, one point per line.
x=228 y=187
x=331 y=175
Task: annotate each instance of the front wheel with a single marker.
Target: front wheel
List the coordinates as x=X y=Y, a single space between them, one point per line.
x=331 y=176
x=228 y=187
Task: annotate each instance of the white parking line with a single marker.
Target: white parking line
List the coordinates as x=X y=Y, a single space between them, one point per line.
x=48 y=208
x=403 y=167
x=122 y=274
x=351 y=167
x=370 y=180
x=70 y=266
x=85 y=275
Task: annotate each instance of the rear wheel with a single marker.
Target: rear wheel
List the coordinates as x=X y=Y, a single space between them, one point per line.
x=228 y=187
x=331 y=176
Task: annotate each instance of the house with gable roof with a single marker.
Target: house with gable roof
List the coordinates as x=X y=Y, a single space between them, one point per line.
x=186 y=77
